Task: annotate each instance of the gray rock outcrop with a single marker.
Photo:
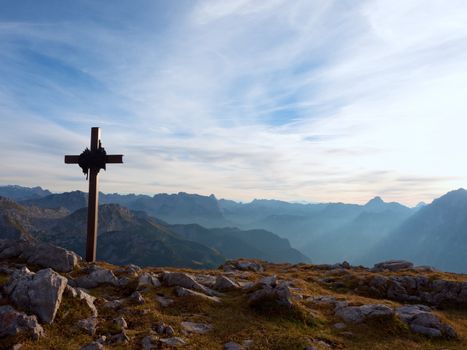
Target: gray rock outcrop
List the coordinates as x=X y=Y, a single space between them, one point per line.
x=358 y=314
x=39 y=292
x=184 y=292
x=415 y=289
x=193 y=327
x=95 y=277
x=185 y=280
x=13 y=323
x=392 y=265
x=48 y=255
x=421 y=320
x=224 y=283
x=280 y=294
x=242 y=265
x=42 y=254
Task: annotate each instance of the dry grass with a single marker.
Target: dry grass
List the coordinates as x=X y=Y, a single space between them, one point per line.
x=269 y=326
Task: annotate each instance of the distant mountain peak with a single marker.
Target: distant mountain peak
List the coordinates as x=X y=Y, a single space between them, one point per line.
x=375 y=201
x=455 y=197
x=420 y=205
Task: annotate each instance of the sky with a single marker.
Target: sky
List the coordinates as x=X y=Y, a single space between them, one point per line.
x=318 y=101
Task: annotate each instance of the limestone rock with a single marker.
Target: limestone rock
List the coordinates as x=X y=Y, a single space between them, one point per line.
x=280 y=294
x=13 y=322
x=121 y=322
x=137 y=297
x=268 y=281
x=224 y=283
x=89 y=325
x=392 y=265
x=83 y=296
x=358 y=314
x=184 y=292
x=206 y=280
x=96 y=277
x=120 y=338
x=113 y=304
x=421 y=320
x=162 y=328
x=48 y=255
x=192 y=327
x=326 y=301
x=185 y=280
x=148 y=280
x=174 y=341
x=39 y=292
x=243 y=265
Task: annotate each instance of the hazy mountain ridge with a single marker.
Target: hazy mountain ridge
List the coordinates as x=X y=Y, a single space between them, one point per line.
x=429 y=234
x=127 y=236
x=435 y=235
x=18 y=193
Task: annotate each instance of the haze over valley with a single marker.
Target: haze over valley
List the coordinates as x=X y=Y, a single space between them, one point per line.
x=198 y=231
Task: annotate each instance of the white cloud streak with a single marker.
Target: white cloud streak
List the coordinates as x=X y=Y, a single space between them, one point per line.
x=303 y=100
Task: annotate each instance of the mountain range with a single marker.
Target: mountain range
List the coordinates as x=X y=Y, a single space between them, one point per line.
x=127 y=236
x=428 y=234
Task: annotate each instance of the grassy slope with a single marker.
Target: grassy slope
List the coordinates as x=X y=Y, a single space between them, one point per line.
x=234 y=320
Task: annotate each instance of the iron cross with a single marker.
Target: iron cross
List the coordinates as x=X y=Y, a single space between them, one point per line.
x=91 y=161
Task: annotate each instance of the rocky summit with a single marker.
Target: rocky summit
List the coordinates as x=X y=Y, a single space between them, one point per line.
x=52 y=299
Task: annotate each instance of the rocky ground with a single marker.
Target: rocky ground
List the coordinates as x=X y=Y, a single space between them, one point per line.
x=50 y=299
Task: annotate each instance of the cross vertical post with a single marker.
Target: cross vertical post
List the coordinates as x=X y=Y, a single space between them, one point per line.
x=93 y=200
x=91 y=161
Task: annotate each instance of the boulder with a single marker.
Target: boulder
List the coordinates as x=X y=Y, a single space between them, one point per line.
x=206 y=280
x=174 y=341
x=326 y=301
x=268 y=281
x=137 y=297
x=192 y=327
x=96 y=277
x=120 y=338
x=83 y=296
x=113 y=304
x=421 y=320
x=184 y=292
x=185 y=280
x=280 y=294
x=48 y=255
x=120 y=322
x=358 y=314
x=13 y=323
x=162 y=328
x=89 y=325
x=243 y=265
x=148 y=280
x=392 y=265
x=224 y=284
x=39 y=292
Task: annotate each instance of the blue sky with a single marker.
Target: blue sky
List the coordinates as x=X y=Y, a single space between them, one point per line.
x=293 y=100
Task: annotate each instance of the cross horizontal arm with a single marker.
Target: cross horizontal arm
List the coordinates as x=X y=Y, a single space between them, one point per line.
x=114 y=158
x=71 y=159
x=109 y=159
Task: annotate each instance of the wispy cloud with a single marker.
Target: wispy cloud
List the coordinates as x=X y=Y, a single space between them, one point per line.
x=302 y=100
